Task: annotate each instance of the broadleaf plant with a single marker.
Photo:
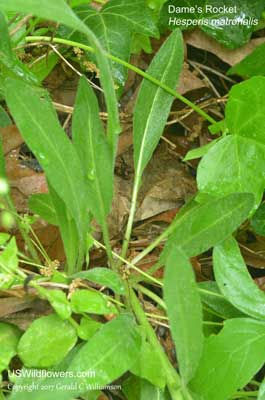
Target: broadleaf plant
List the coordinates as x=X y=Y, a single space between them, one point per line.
x=103 y=324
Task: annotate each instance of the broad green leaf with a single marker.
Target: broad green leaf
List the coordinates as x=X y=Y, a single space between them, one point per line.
x=75 y=3
x=88 y=327
x=9 y=338
x=199 y=152
x=245 y=109
x=42 y=205
x=234 y=280
x=93 y=302
x=46 y=342
x=153 y=103
x=4 y=237
x=8 y=257
x=230 y=359
x=140 y=389
x=39 y=125
x=110 y=352
x=148 y=366
x=257 y=222
x=215 y=300
x=114 y=25
x=184 y=311
x=105 y=277
x=73 y=247
x=236 y=163
x=231 y=27
x=94 y=151
x=58 y=301
x=4 y=118
x=107 y=356
x=233 y=164
x=208 y=224
x=59 y=11
x=252 y=65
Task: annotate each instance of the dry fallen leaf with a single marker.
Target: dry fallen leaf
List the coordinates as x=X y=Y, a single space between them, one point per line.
x=188 y=81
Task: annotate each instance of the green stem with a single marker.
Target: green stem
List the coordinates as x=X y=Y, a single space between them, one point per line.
x=106 y=239
x=128 y=231
x=152 y=296
x=174 y=383
x=148 y=277
x=238 y=395
x=127 y=65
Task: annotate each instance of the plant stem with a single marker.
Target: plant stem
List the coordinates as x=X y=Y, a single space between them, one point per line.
x=127 y=65
x=174 y=383
x=152 y=296
x=128 y=231
x=173 y=380
x=106 y=239
x=149 y=277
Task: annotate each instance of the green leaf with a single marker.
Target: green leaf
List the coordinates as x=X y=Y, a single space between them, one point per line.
x=184 y=311
x=4 y=237
x=39 y=125
x=58 y=301
x=75 y=3
x=42 y=205
x=230 y=359
x=8 y=258
x=103 y=276
x=257 y=222
x=87 y=328
x=91 y=302
x=59 y=11
x=234 y=164
x=46 y=342
x=10 y=65
x=9 y=338
x=93 y=150
x=140 y=389
x=252 y=65
x=4 y=118
x=231 y=27
x=7 y=281
x=42 y=68
x=208 y=224
x=245 y=110
x=74 y=248
x=199 y=151
x=234 y=280
x=110 y=352
x=148 y=366
x=212 y=298
x=114 y=25
x=153 y=101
